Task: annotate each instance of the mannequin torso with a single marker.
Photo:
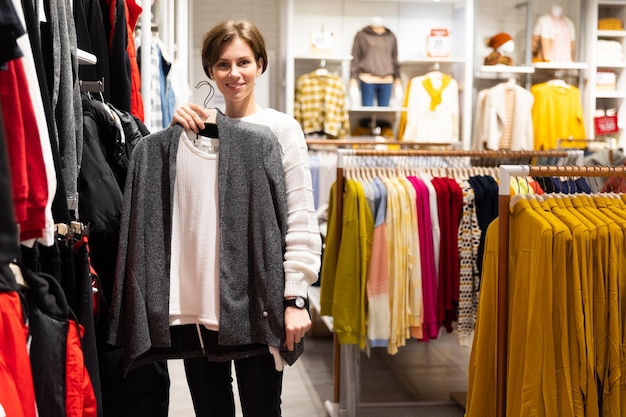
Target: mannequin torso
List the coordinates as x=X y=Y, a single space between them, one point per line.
x=375 y=59
x=553 y=37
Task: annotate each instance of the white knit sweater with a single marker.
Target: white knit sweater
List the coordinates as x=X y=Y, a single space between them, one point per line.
x=303 y=251
x=194 y=268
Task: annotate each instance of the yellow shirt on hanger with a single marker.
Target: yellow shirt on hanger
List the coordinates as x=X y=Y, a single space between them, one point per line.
x=576 y=297
x=600 y=259
x=557 y=113
x=611 y=378
x=397 y=249
x=348 y=290
x=531 y=335
x=481 y=382
x=561 y=254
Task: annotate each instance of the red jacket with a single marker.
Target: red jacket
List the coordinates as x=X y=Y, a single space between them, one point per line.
x=26 y=161
x=123 y=55
x=61 y=383
x=80 y=398
x=133 y=10
x=17 y=394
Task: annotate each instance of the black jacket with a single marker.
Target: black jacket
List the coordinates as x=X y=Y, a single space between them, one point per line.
x=101 y=181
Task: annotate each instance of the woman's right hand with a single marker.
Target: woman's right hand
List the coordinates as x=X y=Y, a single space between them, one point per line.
x=190 y=116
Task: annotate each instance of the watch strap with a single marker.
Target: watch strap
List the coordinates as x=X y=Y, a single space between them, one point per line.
x=298 y=302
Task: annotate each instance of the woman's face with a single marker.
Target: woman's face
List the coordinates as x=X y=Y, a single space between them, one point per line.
x=235 y=72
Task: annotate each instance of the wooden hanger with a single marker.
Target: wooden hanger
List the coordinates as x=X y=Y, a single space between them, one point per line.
x=210 y=125
x=558 y=83
x=322 y=71
x=17 y=271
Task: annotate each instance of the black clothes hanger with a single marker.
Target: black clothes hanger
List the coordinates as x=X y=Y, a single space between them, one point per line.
x=93 y=87
x=210 y=125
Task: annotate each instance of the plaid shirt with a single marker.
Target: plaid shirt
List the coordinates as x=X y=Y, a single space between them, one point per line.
x=321 y=106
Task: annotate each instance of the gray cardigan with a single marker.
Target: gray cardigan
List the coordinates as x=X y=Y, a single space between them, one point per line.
x=253 y=224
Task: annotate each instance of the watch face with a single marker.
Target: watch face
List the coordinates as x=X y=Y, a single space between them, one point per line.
x=300 y=302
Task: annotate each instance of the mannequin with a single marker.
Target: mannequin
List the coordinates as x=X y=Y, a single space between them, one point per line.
x=503 y=46
x=553 y=37
x=375 y=70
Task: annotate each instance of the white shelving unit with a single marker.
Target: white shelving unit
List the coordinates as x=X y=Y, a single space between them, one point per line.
x=409 y=20
x=599 y=98
x=573 y=72
x=504 y=69
x=374 y=114
x=454 y=66
x=499 y=73
x=518 y=20
x=302 y=64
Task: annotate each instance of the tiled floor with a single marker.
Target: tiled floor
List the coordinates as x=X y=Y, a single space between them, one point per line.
x=421 y=374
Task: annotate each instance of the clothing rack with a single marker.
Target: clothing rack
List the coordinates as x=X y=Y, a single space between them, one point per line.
x=504 y=199
x=333 y=408
x=351 y=142
x=609 y=143
x=371 y=142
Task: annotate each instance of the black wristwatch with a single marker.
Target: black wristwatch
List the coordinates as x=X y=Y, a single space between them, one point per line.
x=298 y=302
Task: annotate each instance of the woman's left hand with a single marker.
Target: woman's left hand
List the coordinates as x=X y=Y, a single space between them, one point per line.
x=190 y=116
x=297 y=323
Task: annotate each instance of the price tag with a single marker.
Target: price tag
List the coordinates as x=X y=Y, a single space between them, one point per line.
x=606 y=125
x=438 y=43
x=322 y=42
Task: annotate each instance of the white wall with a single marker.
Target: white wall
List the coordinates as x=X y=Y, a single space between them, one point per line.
x=345 y=18
x=263 y=13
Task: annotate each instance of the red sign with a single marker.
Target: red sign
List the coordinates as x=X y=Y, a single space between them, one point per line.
x=606 y=125
x=439 y=32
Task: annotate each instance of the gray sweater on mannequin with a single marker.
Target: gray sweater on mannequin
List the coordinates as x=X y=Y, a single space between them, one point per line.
x=253 y=224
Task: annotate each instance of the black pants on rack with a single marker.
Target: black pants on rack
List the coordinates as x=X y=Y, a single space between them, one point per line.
x=67 y=260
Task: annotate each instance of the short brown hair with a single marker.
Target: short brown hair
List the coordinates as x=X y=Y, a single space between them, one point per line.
x=224 y=33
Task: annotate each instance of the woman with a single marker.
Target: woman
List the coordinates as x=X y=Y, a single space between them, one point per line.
x=234 y=56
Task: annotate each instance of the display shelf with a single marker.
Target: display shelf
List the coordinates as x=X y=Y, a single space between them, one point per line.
x=521 y=22
x=303 y=63
x=611 y=34
x=499 y=72
x=328 y=58
x=430 y=62
x=611 y=65
x=505 y=69
x=560 y=65
x=410 y=21
x=610 y=94
x=420 y=66
x=561 y=70
x=376 y=109
x=376 y=115
x=596 y=97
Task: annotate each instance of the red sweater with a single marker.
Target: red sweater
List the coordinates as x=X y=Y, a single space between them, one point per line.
x=28 y=173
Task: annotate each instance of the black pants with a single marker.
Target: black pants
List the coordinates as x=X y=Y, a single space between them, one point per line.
x=210 y=384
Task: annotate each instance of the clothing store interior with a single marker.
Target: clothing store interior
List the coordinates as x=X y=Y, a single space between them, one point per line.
x=461 y=153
